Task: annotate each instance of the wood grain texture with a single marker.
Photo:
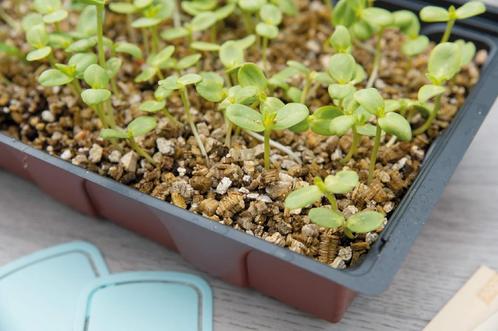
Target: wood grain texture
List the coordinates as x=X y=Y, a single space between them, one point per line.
x=461 y=235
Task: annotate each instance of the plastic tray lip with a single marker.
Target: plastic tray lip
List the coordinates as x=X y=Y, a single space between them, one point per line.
x=196 y=282
x=87 y=249
x=375 y=272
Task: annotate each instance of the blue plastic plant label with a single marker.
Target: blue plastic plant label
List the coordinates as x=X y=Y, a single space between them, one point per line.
x=40 y=292
x=146 y=301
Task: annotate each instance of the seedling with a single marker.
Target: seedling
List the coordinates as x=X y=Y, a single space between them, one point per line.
x=155 y=63
x=451 y=15
x=341 y=183
x=99 y=13
x=407 y=22
x=273 y=114
x=387 y=120
x=201 y=22
x=153 y=14
x=180 y=84
x=95 y=97
x=362 y=222
x=37 y=38
x=231 y=54
x=158 y=106
x=137 y=128
x=445 y=61
x=52 y=11
x=271 y=17
x=70 y=73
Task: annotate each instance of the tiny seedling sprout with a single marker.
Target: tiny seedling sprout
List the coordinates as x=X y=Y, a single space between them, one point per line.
x=140 y=126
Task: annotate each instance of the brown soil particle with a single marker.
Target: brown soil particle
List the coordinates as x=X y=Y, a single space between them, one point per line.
x=235 y=189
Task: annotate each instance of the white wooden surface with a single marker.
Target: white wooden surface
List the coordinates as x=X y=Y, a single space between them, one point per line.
x=461 y=235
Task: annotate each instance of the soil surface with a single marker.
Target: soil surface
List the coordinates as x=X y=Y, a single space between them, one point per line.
x=234 y=189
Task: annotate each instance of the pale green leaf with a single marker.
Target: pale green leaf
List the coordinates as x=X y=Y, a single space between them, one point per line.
x=365 y=221
x=245 y=117
x=303 y=197
x=342 y=182
x=397 y=125
x=326 y=217
x=142 y=125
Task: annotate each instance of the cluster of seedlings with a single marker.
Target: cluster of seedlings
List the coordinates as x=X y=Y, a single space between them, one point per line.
x=253 y=98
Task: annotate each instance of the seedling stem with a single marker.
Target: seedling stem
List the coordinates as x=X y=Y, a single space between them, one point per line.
x=186 y=105
x=377 y=58
x=354 y=146
x=373 y=157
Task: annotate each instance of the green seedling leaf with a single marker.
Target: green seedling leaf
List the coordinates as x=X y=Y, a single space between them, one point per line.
x=31 y=20
x=56 y=16
x=341 y=124
x=342 y=182
x=113 y=134
x=342 y=68
x=341 y=39
x=368 y=130
x=142 y=3
x=365 y=221
x=361 y=30
x=39 y=54
x=145 y=22
x=371 y=100
x=96 y=77
x=59 y=40
x=37 y=36
x=224 y=11
x=270 y=14
x=174 y=33
x=147 y=74
x=319 y=121
x=205 y=46
x=87 y=23
x=189 y=79
x=142 y=125
x=82 y=45
x=93 y=97
x=427 y=92
x=271 y=105
x=280 y=79
x=93 y=2
x=359 y=75
x=246 y=42
x=251 y=6
x=211 y=87
x=47 y=6
x=162 y=93
x=397 y=125
x=469 y=9
x=188 y=61
x=54 y=77
x=299 y=67
x=196 y=7
x=290 y=115
x=251 y=75
x=160 y=59
x=294 y=94
x=128 y=48
x=391 y=105
x=245 y=117
x=467 y=51
x=231 y=55
x=344 y=13
x=123 y=8
x=288 y=7
x=413 y=47
x=170 y=83
x=113 y=66
x=377 y=17
x=444 y=61
x=303 y=197
x=10 y=50
x=340 y=91
x=203 y=21
x=324 y=78
x=407 y=22
x=267 y=30
x=300 y=127
x=434 y=14
x=152 y=106
x=326 y=217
